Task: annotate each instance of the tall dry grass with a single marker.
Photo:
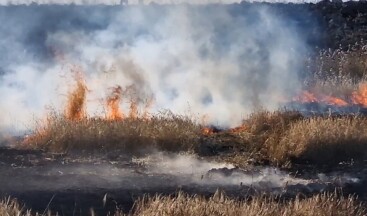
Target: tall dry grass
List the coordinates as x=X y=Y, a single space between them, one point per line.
x=165 y=131
x=336 y=72
x=339 y=64
x=283 y=137
x=219 y=204
x=324 y=140
x=182 y=204
x=279 y=137
x=262 y=131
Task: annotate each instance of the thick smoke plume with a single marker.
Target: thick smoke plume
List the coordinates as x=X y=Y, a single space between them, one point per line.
x=198 y=60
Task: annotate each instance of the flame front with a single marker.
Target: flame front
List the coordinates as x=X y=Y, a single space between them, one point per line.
x=359 y=97
x=75 y=109
x=333 y=101
x=207 y=131
x=305 y=97
x=113 y=104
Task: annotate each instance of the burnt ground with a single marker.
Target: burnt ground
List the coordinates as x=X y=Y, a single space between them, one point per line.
x=73 y=184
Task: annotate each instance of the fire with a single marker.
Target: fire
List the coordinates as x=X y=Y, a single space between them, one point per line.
x=113 y=104
x=308 y=97
x=239 y=129
x=75 y=109
x=360 y=96
x=357 y=97
x=334 y=101
x=207 y=131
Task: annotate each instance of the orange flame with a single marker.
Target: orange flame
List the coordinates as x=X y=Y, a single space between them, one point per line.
x=308 y=97
x=207 y=131
x=239 y=129
x=113 y=104
x=334 y=101
x=75 y=109
x=360 y=96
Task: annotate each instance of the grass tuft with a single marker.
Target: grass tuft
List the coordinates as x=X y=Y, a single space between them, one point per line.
x=10 y=207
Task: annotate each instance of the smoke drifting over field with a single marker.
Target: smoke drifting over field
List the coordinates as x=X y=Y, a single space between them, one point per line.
x=205 y=60
x=173 y=170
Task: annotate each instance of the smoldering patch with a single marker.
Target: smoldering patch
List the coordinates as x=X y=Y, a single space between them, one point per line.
x=203 y=172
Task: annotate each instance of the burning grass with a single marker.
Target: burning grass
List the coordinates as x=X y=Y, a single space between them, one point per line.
x=279 y=138
x=76 y=104
x=219 y=204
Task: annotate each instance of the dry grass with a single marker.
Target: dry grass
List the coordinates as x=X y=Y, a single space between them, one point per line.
x=10 y=207
x=280 y=137
x=336 y=72
x=324 y=140
x=184 y=205
x=165 y=131
x=285 y=137
x=262 y=132
x=340 y=64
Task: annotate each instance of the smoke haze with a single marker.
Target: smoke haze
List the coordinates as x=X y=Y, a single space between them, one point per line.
x=218 y=61
x=132 y=2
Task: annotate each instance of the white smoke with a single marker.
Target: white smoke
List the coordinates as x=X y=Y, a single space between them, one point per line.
x=203 y=172
x=141 y=2
x=205 y=60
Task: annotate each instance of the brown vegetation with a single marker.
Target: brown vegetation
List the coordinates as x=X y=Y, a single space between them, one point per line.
x=279 y=137
x=219 y=204
x=165 y=131
x=340 y=64
x=325 y=140
x=283 y=137
x=182 y=204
